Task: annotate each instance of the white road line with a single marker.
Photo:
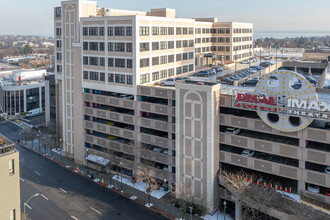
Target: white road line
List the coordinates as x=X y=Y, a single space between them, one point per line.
x=37 y=173
x=74 y=217
x=28 y=206
x=21 y=179
x=44 y=197
x=62 y=190
x=96 y=211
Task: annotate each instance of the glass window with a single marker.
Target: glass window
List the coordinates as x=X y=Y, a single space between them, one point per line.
x=191 y=67
x=102 y=77
x=129 y=63
x=155 y=30
x=163 y=74
x=101 y=31
x=185 y=56
x=120 y=78
x=184 y=30
x=170 y=58
x=178 y=44
x=110 y=77
x=144 y=78
x=110 y=31
x=110 y=62
x=102 y=61
x=171 y=72
x=155 y=45
x=93 y=46
x=178 y=31
x=144 y=31
x=178 y=70
x=170 y=31
x=93 y=31
x=185 y=69
x=163 y=31
x=144 y=62
x=85 y=31
x=85 y=45
x=191 y=55
x=129 y=79
x=185 y=43
x=155 y=61
x=163 y=59
x=101 y=46
x=155 y=76
x=129 y=47
x=110 y=46
x=227 y=30
x=170 y=44
x=94 y=61
x=93 y=75
x=128 y=31
x=144 y=47
x=191 y=43
x=163 y=45
x=120 y=47
x=120 y=63
x=178 y=57
x=120 y=31
x=85 y=74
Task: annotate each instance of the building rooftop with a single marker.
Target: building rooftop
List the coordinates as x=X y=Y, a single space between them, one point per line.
x=6 y=146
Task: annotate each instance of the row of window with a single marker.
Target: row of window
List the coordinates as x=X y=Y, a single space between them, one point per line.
x=212 y=39
x=242 y=39
x=242 y=30
x=112 y=77
x=163 y=45
x=99 y=46
x=58 y=31
x=112 y=62
x=243 y=47
x=243 y=55
x=111 y=31
x=145 y=31
x=212 y=30
x=144 y=78
x=166 y=59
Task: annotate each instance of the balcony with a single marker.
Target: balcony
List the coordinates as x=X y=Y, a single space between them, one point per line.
x=111 y=130
x=156 y=108
x=158 y=157
x=317 y=178
x=109 y=115
x=156 y=124
x=109 y=100
x=157 y=141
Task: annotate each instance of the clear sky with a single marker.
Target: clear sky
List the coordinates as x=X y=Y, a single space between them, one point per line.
x=35 y=17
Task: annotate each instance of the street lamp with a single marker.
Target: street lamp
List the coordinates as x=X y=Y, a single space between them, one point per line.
x=26 y=203
x=121 y=177
x=87 y=162
x=224 y=209
x=190 y=208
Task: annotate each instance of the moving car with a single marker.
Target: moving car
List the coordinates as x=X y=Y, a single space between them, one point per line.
x=248 y=153
x=34 y=112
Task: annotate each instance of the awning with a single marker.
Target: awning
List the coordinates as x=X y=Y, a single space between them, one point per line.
x=212 y=55
x=97 y=159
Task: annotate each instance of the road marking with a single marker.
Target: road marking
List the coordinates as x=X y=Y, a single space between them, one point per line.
x=74 y=217
x=96 y=211
x=37 y=173
x=21 y=179
x=44 y=197
x=62 y=190
x=28 y=206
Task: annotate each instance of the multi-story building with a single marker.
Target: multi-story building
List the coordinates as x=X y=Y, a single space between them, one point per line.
x=10 y=205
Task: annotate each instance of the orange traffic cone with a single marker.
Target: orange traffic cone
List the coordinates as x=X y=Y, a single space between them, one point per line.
x=290 y=190
x=265 y=185
x=276 y=187
x=250 y=180
x=271 y=186
x=286 y=190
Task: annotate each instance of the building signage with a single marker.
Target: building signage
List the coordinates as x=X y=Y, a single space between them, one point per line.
x=284 y=100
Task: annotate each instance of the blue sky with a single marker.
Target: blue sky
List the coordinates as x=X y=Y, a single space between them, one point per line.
x=36 y=16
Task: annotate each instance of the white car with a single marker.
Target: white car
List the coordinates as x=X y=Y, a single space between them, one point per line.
x=156 y=149
x=327 y=170
x=232 y=130
x=313 y=188
x=168 y=82
x=248 y=153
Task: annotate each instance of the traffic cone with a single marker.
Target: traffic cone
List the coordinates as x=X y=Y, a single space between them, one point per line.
x=271 y=186
x=286 y=190
x=276 y=187
x=290 y=190
x=77 y=169
x=280 y=188
x=258 y=183
x=265 y=185
x=250 y=180
x=245 y=179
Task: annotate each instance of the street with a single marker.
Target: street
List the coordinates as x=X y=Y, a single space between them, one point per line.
x=66 y=195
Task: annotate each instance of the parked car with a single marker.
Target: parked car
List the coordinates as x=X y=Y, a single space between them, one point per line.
x=213 y=71
x=245 y=62
x=248 y=153
x=251 y=82
x=156 y=149
x=232 y=130
x=203 y=73
x=327 y=170
x=326 y=87
x=168 y=82
x=313 y=188
x=219 y=69
x=327 y=191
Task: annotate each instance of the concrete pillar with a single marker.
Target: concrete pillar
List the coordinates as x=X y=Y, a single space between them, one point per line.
x=24 y=97
x=295 y=69
x=40 y=97
x=238 y=210
x=310 y=71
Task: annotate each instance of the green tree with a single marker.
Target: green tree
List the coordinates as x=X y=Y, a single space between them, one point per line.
x=27 y=49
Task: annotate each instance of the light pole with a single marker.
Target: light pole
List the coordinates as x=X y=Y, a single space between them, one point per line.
x=87 y=162
x=38 y=135
x=121 y=177
x=224 y=209
x=165 y=190
x=190 y=208
x=25 y=203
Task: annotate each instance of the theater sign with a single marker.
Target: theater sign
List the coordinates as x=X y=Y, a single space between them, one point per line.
x=284 y=100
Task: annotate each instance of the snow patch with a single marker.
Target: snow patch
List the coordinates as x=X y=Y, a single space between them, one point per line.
x=97 y=159
x=133 y=197
x=149 y=205
x=216 y=215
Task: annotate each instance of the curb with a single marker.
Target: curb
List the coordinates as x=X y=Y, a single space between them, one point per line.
x=98 y=182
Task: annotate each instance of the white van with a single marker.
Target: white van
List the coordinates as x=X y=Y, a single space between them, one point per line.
x=34 y=112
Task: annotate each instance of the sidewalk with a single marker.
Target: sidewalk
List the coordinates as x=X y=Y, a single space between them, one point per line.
x=160 y=201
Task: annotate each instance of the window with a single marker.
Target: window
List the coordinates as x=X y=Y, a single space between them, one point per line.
x=11 y=167
x=129 y=79
x=163 y=59
x=58 y=43
x=227 y=30
x=85 y=74
x=120 y=78
x=155 y=61
x=110 y=31
x=185 y=69
x=144 y=78
x=227 y=40
x=163 y=74
x=155 y=30
x=227 y=49
x=120 y=31
x=120 y=63
x=163 y=45
x=85 y=60
x=12 y=215
x=93 y=46
x=102 y=77
x=170 y=58
x=178 y=31
x=178 y=44
x=58 y=31
x=58 y=56
x=102 y=61
x=129 y=63
x=93 y=75
x=213 y=39
x=85 y=31
x=144 y=31
x=144 y=47
x=94 y=61
x=221 y=30
x=185 y=43
x=93 y=31
x=170 y=44
x=171 y=72
x=185 y=56
x=110 y=62
x=110 y=77
x=191 y=43
x=85 y=45
x=191 y=30
x=59 y=68
x=101 y=31
x=128 y=31
x=129 y=47
x=155 y=76
x=155 y=45
x=110 y=46
x=170 y=31
x=101 y=46
x=163 y=31
x=191 y=55
x=185 y=30
x=120 y=47
x=178 y=57
x=144 y=62
x=191 y=67
x=178 y=70
x=198 y=30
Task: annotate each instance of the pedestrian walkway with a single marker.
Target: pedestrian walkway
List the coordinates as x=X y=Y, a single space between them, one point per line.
x=21 y=124
x=162 y=205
